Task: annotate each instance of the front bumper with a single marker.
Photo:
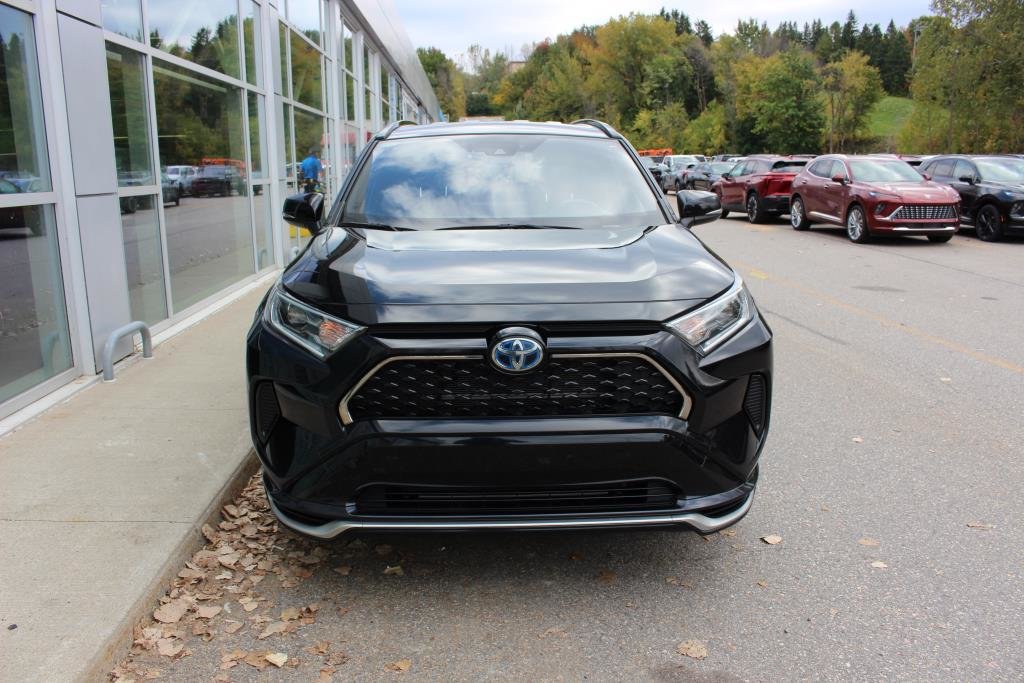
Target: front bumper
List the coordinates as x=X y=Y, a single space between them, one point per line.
x=318 y=467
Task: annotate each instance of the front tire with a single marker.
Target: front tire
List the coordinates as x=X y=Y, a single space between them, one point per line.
x=798 y=215
x=755 y=211
x=857 y=225
x=940 y=239
x=988 y=224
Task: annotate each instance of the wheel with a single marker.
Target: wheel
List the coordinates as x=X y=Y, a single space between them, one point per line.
x=755 y=211
x=939 y=238
x=988 y=223
x=797 y=215
x=857 y=225
x=177 y=199
x=678 y=187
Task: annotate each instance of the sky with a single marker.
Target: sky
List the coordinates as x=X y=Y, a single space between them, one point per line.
x=454 y=25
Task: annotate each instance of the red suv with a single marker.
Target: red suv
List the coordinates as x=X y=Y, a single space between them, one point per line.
x=873 y=195
x=760 y=186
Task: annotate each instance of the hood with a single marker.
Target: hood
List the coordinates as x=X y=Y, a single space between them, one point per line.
x=1013 y=188
x=638 y=274
x=924 y=192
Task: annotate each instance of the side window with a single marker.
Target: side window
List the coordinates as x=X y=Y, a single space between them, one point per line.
x=743 y=169
x=963 y=168
x=838 y=168
x=943 y=168
x=821 y=168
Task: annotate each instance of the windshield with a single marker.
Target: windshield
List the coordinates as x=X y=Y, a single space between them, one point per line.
x=720 y=167
x=1001 y=170
x=883 y=171
x=493 y=180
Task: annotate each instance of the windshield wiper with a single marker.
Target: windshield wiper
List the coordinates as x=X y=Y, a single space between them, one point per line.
x=375 y=226
x=511 y=226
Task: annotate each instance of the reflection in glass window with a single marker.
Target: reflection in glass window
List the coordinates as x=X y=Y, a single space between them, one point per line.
x=309 y=134
x=264 y=227
x=143 y=258
x=288 y=153
x=350 y=138
x=282 y=34
x=23 y=159
x=200 y=122
x=305 y=16
x=201 y=31
x=347 y=57
x=251 y=41
x=124 y=17
x=129 y=110
x=256 y=140
x=350 y=99
x=34 y=341
x=307 y=73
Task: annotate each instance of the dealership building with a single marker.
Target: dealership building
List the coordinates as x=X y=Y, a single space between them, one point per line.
x=146 y=147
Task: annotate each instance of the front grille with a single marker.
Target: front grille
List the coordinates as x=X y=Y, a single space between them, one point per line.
x=471 y=387
x=754 y=403
x=630 y=496
x=922 y=212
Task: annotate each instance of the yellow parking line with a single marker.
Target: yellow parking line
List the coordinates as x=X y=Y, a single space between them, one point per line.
x=883 y=320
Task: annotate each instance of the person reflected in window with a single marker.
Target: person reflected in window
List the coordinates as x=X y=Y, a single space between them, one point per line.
x=311 y=170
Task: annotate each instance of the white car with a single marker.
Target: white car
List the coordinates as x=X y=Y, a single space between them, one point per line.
x=182 y=176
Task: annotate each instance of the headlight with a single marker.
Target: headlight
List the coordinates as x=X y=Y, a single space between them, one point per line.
x=713 y=323
x=314 y=330
x=1017 y=209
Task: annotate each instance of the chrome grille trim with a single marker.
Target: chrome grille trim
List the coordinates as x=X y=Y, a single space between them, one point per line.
x=346 y=416
x=924 y=212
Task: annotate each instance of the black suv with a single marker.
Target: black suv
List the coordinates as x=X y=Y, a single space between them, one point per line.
x=991 y=191
x=503 y=326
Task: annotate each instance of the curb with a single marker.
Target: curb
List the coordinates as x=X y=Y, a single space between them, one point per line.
x=119 y=644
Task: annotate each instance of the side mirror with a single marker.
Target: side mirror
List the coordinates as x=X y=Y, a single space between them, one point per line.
x=727 y=176
x=696 y=208
x=838 y=178
x=304 y=211
x=969 y=179
x=926 y=176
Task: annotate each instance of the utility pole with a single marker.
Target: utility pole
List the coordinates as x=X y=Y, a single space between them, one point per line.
x=952 y=96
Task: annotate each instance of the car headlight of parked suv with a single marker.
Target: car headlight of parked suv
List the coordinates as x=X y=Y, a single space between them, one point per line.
x=313 y=330
x=713 y=323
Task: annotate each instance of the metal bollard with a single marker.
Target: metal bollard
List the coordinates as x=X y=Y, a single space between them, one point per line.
x=108 y=347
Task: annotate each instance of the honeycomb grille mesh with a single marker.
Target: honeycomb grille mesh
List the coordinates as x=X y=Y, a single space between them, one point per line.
x=443 y=388
x=923 y=212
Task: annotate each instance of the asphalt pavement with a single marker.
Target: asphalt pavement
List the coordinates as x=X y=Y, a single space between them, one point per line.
x=892 y=474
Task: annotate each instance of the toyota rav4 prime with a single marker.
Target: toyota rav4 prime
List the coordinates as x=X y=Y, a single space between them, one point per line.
x=504 y=326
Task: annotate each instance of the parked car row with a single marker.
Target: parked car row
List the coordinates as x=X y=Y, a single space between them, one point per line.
x=878 y=194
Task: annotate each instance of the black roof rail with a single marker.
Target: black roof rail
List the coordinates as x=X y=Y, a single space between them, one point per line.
x=600 y=125
x=386 y=133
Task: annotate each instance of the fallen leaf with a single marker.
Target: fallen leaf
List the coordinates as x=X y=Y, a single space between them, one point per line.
x=606 y=576
x=395 y=571
x=209 y=533
x=946 y=379
x=233 y=626
x=290 y=614
x=980 y=525
x=878 y=564
x=208 y=611
x=694 y=649
x=401 y=666
x=672 y=581
x=278 y=659
x=554 y=631
x=320 y=647
x=762 y=583
x=169 y=647
x=772 y=539
x=868 y=542
x=325 y=674
x=857 y=439
x=248 y=604
x=728 y=532
x=172 y=612
x=344 y=570
x=273 y=629
x=257 y=660
x=231 y=510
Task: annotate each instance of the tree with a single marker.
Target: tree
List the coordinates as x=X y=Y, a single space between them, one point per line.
x=780 y=97
x=895 y=60
x=707 y=133
x=852 y=87
x=447 y=81
x=665 y=127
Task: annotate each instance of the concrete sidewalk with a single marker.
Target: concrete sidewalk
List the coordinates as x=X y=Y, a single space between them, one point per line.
x=103 y=496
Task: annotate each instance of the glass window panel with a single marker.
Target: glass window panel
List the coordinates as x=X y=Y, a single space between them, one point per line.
x=346 y=63
x=264 y=226
x=286 y=77
x=368 y=110
x=124 y=17
x=257 y=148
x=199 y=122
x=288 y=153
x=251 y=41
x=310 y=135
x=143 y=258
x=34 y=340
x=129 y=109
x=307 y=73
x=201 y=31
x=384 y=83
x=305 y=16
x=350 y=99
x=366 y=66
x=350 y=138
x=23 y=158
